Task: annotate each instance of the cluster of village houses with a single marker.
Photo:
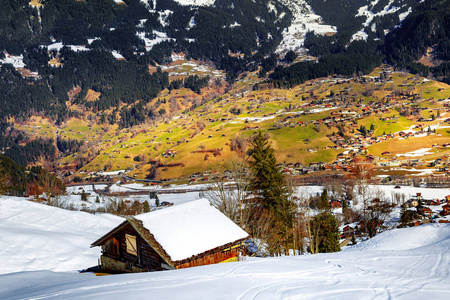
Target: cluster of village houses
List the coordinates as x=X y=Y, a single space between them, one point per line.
x=425 y=210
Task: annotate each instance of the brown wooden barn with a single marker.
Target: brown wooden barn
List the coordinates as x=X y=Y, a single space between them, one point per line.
x=182 y=236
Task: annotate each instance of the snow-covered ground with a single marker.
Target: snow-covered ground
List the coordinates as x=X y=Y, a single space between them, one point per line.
x=34 y=237
x=159 y=37
x=304 y=20
x=38 y=242
x=16 y=61
x=196 y=2
x=42 y=247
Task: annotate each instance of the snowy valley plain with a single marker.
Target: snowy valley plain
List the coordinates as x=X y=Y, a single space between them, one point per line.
x=43 y=247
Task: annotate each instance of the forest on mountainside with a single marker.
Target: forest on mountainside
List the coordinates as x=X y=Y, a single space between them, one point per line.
x=236 y=37
x=206 y=33
x=427 y=26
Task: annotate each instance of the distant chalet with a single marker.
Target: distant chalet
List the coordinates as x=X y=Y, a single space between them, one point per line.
x=182 y=236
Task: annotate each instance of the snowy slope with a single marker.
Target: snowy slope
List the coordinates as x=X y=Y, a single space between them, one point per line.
x=378 y=8
x=408 y=263
x=304 y=20
x=196 y=2
x=402 y=264
x=40 y=237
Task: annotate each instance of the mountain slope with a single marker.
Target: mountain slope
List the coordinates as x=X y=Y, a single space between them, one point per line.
x=427 y=26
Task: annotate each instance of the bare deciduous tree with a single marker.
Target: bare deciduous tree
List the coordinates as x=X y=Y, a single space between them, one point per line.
x=230 y=196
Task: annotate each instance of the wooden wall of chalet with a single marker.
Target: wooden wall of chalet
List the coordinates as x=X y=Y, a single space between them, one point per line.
x=116 y=248
x=212 y=257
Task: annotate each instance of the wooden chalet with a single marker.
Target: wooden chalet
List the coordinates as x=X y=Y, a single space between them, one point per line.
x=182 y=236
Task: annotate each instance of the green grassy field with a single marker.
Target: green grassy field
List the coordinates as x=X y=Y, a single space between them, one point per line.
x=194 y=134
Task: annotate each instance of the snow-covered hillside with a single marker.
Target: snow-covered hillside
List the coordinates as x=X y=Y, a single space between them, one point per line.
x=304 y=20
x=376 y=9
x=399 y=264
x=40 y=237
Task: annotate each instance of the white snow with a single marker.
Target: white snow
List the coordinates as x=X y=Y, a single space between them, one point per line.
x=163 y=15
x=59 y=45
x=401 y=264
x=88 y=188
x=41 y=247
x=159 y=38
x=370 y=15
x=403 y=16
x=191 y=228
x=112 y=172
x=16 y=61
x=40 y=237
x=304 y=20
x=417 y=153
x=117 y=55
x=191 y=23
x=364 y=11
x=90 y=41
x=360 y=35
x=195 y=2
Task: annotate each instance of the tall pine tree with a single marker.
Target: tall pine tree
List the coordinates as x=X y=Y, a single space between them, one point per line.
x=325 y=233
x=270 y=188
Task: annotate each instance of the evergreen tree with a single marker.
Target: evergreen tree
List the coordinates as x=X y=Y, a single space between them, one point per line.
x=325 y=233
x=270 y=189
x=324 y=202
x=146 y=206
x=97 y=199
x=83 y=196
x=156 y=200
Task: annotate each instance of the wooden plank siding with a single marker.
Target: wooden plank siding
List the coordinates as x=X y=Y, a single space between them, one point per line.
x=211 y=258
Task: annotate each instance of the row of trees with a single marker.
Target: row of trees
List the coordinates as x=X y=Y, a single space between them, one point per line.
x=261 y=201
x=17 y=180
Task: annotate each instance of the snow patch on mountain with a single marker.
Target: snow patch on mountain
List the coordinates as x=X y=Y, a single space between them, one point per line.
x=150 y=4
x=367 y=11
x=163 y=16
x=16 y=61
x=59 y=45
x=403 y=15
x=191 y=23
x=158 y=37
x=304 y=20
x=195 y=2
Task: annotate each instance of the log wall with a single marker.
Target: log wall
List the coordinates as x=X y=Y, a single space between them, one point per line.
x=146 y=259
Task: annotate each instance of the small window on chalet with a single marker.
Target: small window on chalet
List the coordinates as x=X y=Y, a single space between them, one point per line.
x=131 y=244
x=112 y=247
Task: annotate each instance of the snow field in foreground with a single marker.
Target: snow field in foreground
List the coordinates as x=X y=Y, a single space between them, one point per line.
x=418 y=272
x=410 y=263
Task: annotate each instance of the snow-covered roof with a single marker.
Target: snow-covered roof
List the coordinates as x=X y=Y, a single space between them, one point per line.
x=191 y=228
